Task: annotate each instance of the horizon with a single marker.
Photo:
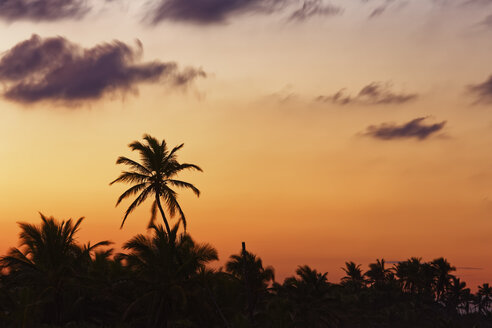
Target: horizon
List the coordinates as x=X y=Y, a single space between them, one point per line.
x=328 y=131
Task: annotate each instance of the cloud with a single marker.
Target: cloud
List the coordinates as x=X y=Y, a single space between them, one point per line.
x=469 y=268
x=486 y=22
x=482 y=91
x=220 y=11
x=315 y=8
x=375 y=93
x=378 y=11
x=42 y=10
x=413 y=129
x=478 y=2
x=58 y=70
x=209 y=11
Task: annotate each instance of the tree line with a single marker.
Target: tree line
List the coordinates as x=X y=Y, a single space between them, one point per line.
x=164 y=278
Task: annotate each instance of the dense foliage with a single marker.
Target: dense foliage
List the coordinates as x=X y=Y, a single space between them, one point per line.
x=165 y=280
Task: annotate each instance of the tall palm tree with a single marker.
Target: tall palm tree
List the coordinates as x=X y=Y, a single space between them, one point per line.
x=155 y=175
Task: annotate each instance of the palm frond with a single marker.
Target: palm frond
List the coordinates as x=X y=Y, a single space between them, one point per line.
x=184 y=166
x=133 y=164
x=131 y=191
x=172 y=154
x=141 y=198
x=146 y=154
x=187 y=185
x=130 y=177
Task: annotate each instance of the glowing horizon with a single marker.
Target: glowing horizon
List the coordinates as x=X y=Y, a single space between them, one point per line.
x=291 y=166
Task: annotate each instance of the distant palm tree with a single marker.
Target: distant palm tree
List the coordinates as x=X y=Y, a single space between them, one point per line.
x=155 y=175
x=248 y=269
x=354 y=276
x=443 y=276
x=378 y=273
x=313 y=304
x=458 y=296
x=416 y=277
x=484 y=295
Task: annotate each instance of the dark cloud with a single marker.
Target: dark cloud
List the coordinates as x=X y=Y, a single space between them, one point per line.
x=315 y=8
x=482 y=91
x=57 y=69
x=375 y=93
x=210 y=11
x=39 y=10
x=220 y=11
x=413 y=129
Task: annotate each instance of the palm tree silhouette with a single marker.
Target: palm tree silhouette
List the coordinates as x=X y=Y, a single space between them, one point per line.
x=353 y=275
x=310 y=294
x=458 y=296
x=416 y=277
x=155 y=175
x=248 y=269
x=50 y=262
x=378 y=273
x=484 y=298
x=443 y=276
x=167 y=286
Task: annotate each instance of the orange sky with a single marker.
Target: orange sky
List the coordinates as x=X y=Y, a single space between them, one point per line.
x=295 y=178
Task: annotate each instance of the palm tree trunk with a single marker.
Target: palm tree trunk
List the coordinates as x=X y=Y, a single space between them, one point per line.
x=172 y=239
x=158 y=201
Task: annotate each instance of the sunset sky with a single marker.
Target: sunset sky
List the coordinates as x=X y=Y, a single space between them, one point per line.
x=328 y=131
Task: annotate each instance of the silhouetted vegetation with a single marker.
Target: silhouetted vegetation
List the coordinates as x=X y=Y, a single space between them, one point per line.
x=53 y=281
x=165 y=279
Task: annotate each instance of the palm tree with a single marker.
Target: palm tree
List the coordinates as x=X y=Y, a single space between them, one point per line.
x=155 y=175
x=353 y=275
x=377 y=273
x=48 y=266
x=313 y=304
x=458 y=296
x=415 y=276
x=484 y=296
x=165 y=285
x=443 y=276
x=248 y=269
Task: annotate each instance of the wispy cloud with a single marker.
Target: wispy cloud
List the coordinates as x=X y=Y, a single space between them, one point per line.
x=56 y=69
x=42 y=10
x=469 y=268
x=482 y=91
x=315 y=8
x=379 y=10
x=375 y=93
x=413 y=129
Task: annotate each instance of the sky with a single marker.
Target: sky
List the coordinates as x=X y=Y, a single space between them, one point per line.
x=328 y=131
